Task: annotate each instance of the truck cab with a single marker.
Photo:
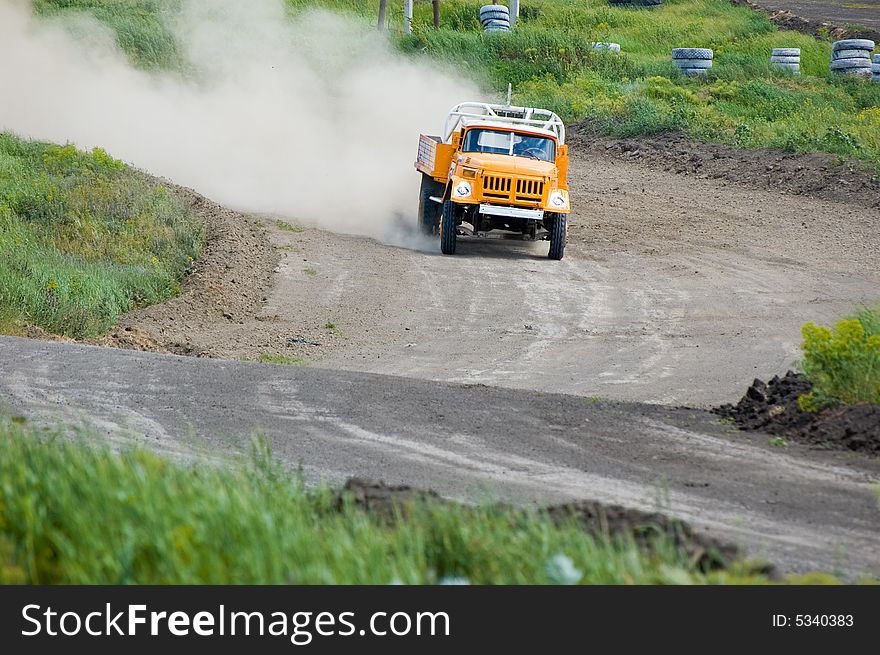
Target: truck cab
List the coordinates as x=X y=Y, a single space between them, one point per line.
x=497 y=171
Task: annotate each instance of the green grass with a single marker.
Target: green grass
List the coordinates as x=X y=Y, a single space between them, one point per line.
x=549 y=60
x=271 y=358
x=139 y=26
x=333 y=328
x=843 y=363
x=289 y=227
x=83 y=239
x=72 y=512
x=870 y=319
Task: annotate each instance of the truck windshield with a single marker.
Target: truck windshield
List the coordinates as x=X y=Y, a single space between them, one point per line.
x=509 y=143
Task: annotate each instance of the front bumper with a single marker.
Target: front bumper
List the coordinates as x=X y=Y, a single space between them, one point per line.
x=512 y=212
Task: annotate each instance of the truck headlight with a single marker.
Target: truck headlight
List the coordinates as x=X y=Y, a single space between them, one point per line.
x=559 y=200
x=463 y=189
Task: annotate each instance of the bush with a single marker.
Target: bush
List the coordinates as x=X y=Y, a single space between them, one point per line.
x=843 y=364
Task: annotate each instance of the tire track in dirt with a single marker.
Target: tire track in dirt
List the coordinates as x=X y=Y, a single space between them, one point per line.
x=800 y=508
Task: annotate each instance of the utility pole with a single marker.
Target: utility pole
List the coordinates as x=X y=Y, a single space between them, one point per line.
x=436 y=6
x=407 y=16
x=380 y=25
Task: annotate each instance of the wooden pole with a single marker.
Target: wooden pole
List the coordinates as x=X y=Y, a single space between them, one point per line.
x=436 y=6
x=380 y=24
x=407 y=16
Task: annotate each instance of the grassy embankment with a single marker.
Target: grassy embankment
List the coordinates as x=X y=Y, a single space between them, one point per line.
x=73 y=512
x=550 y=61
x=83 y=238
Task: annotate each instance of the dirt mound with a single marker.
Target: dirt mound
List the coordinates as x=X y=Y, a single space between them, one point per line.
x=596 y=519
x=815 y=175
x=228 y=283
x=772 y=407
x=786 y=20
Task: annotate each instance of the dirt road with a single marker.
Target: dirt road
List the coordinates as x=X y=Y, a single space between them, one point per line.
x=801 y=509
x=674 y=290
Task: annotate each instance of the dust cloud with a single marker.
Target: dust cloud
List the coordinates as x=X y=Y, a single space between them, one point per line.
x=313 y=118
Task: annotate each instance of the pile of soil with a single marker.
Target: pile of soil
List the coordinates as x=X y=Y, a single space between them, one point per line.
x=815 y=175
x=228 y=283
x=786 y=20
x=596 y=519
x=772 y=407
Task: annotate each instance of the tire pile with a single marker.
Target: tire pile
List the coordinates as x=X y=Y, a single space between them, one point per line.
x=692 y=61
x=852 y=57
x=786 y=59
x=495 y=18
x=875 y=69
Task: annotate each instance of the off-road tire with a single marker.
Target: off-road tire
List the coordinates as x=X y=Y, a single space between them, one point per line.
x=692 y=53
x=488 y=17
x=494 y=9
x=693 y=63
x=851 y=54
x=428 y=209
x=853 y=44
x=850 y=64
x=447 y=228
x=557 y=237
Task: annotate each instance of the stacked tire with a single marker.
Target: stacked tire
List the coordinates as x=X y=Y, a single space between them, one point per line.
x=787 y=59
x=692 y=61
x=495 y=18
x=851 y=57
x=875 y=69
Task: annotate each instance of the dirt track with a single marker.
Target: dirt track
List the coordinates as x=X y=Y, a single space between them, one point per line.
x=675 y=289
x=801 y=509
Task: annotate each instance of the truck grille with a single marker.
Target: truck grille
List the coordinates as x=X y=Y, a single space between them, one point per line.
x=503 y=188
x=530 y=190
x=495 y=186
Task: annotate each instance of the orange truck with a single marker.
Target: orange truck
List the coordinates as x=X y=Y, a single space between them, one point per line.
x=496 y=171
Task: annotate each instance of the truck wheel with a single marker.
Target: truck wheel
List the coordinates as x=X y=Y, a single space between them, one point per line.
x=557 y=237
x=428 y=209
x=447 y=228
